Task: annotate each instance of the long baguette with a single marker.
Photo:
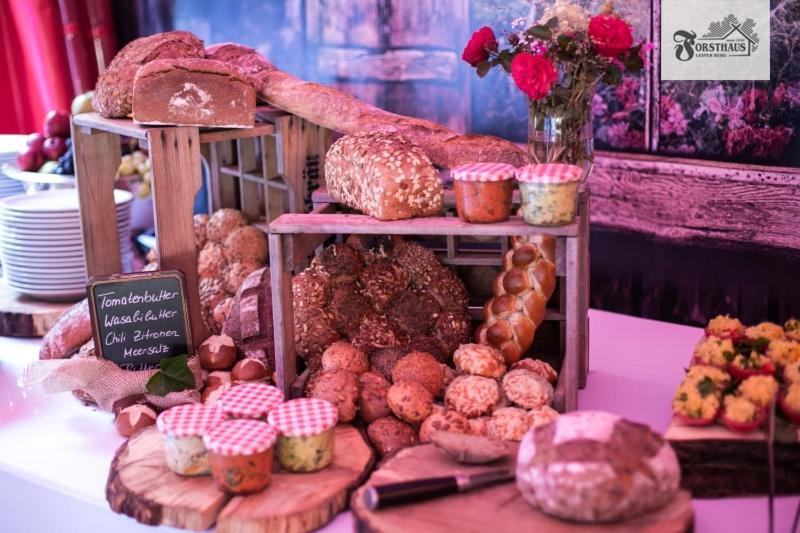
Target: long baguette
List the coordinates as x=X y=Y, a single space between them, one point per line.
x=338 y=111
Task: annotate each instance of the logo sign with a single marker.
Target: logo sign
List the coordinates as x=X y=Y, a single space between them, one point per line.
x=715 y=40
x=138 y=319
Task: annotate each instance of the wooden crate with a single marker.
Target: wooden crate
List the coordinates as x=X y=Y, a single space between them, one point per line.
x=458 y=252
x=264 y=188
x=293 y=239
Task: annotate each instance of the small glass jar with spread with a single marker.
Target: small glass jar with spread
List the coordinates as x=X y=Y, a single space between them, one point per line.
x=549 y=193
x=483 y=191
x=240 y=453
x=306 y=427
x=183 y=427
x=250 y=400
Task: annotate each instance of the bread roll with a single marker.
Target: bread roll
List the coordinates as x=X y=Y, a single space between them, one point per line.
x=384 y=175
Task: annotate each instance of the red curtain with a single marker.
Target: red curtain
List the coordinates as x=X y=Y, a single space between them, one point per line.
x=38 y=72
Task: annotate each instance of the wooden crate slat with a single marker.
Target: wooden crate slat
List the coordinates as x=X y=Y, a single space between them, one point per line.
x=229 y=134
x=96 y=199
x=322 y=195
x=363 y=224
x=120 y=126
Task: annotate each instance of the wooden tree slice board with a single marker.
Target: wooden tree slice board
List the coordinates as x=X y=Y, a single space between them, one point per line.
x=496 y=508
x=22 y=316
x=141 y=485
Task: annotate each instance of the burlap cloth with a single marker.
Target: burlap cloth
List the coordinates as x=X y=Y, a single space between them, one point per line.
x=104 y=381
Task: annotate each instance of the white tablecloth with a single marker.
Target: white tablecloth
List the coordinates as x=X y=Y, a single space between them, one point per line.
x=55 y=453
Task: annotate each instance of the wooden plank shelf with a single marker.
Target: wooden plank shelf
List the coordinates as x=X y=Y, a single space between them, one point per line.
x=298 y=223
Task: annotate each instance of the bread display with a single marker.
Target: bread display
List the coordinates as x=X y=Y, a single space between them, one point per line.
x=591 y=466
x=338 y=111
x=520 y=295
x=410 y=401
x=72 y=330
x=472 y=395
x=372 y=397
x=113 y=94
x=508 y=423
x=422 y=368
x=384 y=175
x=343 y=293
x=344 y=356
x=480 y=360
x=192 y=92
x=249 y=320
x=445 y=420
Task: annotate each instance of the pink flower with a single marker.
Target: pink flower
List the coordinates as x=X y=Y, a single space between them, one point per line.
x=644 y=53
x=620 y=135
x=753 y=102
x=672 y=119
x=628 y=92
x=480 y=44
x=787 y=93
x=765 y=143
x=599 y=106
x=533 y=74
x=611 y=35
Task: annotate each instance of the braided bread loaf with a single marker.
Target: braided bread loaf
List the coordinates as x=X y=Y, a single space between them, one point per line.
x=520 y=292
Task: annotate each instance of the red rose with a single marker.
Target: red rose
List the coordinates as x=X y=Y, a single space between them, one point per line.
x=533 y=74
x=611 y=35
x=479 y=45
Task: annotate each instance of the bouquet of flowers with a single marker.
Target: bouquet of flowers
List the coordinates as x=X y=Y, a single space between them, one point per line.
x=557 y=63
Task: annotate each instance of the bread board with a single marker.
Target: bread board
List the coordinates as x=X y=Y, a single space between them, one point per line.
x=23 y=316
x=718 y=463
x=497 y=508
x=141 y=485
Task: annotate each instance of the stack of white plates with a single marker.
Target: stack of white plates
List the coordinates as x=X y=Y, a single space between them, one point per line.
x=41 y=244
x=10 y=146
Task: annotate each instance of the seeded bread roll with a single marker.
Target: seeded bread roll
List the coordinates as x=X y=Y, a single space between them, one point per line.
x=422 y=368
x=383 y=175
x=113 y=94
x=193 y=92
x=372 y=402
x=340 y=387
x=389 y=435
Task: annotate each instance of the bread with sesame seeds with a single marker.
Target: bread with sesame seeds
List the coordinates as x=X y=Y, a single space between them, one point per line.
x=384 y=175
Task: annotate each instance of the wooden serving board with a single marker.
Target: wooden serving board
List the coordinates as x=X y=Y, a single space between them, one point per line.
x=718 y=463
x=496 y=508
x=141 y=485
x=23 y=316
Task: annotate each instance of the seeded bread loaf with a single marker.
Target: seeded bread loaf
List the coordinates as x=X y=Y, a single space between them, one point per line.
x=383 y=175
x=193 y=92
x=113 y=94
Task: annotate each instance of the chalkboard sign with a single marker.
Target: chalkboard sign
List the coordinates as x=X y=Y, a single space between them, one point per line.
x=138 y=319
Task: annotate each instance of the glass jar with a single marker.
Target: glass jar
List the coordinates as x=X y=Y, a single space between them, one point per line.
x=250 y=400
x=549 y=193
x=565 y=136
x=483 y=191
x=240 y=454
x=182 y=428
x=306 y=427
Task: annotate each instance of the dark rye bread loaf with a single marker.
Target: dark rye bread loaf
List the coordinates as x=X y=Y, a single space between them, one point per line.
x=338 y=111
x=249 y=321
x=113 y=94
x=193 y=92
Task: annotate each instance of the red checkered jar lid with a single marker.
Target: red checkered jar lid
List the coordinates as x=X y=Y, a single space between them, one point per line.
x=188 y=420
x=549 y=173
x=250 y=400
x=483 y=172
x=240 y=437
x=303 y=417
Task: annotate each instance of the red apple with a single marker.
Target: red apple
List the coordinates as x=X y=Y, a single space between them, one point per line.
x=53 y=148
x=30 y=160
x=56 y=123
x=35 y=141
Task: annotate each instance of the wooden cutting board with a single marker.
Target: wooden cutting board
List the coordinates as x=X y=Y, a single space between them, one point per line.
x=141 y=485
x=497 y=508
x=22 y=316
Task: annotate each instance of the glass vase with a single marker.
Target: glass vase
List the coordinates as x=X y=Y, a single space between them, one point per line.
x=560 y=137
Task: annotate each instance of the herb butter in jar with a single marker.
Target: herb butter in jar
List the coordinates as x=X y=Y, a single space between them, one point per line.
x=183 y=428
x=549 y=193
x=250 y=400
x=240 y=453
x=306 y=426
x=483 y=191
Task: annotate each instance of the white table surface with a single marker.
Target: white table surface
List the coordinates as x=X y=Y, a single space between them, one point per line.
x=55 y=453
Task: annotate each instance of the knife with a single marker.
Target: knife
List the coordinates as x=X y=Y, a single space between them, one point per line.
x=416 y=490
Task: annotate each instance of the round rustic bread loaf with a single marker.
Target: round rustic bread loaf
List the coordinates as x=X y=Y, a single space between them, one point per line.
x=379 y=293
x=592 y=466
x=389 y=435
